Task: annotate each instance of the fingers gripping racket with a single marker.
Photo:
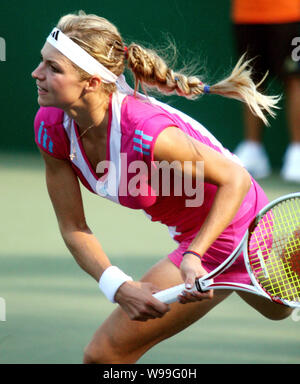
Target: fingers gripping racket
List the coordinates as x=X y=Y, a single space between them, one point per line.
x=271 y=250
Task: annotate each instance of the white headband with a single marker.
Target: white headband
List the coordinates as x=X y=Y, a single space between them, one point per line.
x=79 y=56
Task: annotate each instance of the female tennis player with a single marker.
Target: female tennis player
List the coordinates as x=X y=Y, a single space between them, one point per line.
x=92 y=127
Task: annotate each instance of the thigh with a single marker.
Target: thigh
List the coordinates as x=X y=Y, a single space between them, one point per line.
x=121 y=340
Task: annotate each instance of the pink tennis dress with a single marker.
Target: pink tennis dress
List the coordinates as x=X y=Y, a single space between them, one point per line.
x=130 y=169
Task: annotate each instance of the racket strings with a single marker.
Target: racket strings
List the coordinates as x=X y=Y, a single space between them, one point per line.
x=274 y=250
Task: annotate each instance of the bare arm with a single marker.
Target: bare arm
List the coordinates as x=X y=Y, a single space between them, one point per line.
x=65 y=195
x=135 y=298
x=232 y=180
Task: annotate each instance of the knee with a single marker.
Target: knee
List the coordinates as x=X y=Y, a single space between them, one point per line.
x=270 y=310
x=90 y=356
x=94 y=354
x=97 y=355
x=279 y=313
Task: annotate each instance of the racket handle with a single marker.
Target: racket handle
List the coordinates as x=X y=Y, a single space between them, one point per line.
x=169 y=296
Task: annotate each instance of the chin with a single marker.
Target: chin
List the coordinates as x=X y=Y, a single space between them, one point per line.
x=46 y=103
x=42 y=101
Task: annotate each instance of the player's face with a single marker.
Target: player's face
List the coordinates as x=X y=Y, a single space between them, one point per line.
x=58 y=82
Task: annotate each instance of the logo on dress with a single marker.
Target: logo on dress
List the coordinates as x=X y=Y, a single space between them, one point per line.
x=44 y=139
x=139 y=142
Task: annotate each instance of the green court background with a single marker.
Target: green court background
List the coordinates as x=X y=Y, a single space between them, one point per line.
x=201 y=29
x=52 y=306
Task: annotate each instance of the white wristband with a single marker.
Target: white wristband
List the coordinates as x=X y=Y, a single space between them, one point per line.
x=110 y=281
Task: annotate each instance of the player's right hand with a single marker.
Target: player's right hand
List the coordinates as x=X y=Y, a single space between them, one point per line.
x=137 y=300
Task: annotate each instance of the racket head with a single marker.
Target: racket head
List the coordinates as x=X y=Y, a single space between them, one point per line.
x=273 y=250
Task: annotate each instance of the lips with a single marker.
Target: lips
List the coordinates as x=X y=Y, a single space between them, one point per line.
x=41 y=90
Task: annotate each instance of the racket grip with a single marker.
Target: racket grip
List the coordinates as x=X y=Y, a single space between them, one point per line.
x=169 y=296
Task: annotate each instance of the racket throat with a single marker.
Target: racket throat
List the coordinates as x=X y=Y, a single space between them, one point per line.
x=203 y=285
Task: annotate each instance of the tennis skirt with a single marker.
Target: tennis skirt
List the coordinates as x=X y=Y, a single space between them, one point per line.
x=255 y=200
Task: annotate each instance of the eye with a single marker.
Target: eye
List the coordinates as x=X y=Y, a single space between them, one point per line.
x=54 y=69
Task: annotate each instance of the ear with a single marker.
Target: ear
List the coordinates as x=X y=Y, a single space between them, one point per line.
x=93 y=84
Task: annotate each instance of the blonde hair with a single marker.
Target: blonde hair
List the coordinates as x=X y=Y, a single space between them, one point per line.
x=102 y=40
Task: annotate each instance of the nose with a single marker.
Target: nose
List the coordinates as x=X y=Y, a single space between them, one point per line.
x=38 y=72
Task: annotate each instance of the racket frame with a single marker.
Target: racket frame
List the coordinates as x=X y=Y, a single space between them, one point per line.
x=206 y=282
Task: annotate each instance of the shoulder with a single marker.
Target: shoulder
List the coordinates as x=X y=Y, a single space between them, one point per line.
x=140 y=109
x=142 y=121
x=147 y=116
x=49 y=132
x=49 y=115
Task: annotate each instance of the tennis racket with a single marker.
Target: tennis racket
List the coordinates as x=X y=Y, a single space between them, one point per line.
x=271 y=250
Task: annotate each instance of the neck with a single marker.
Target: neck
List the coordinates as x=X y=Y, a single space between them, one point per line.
x=91 y=113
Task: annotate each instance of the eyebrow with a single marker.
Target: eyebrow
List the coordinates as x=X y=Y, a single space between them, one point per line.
x=49 y=60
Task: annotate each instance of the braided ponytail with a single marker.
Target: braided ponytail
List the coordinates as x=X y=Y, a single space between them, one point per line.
x=102 y=40
x=150 y=69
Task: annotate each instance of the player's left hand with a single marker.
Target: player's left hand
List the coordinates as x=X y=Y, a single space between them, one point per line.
x=191 y=268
